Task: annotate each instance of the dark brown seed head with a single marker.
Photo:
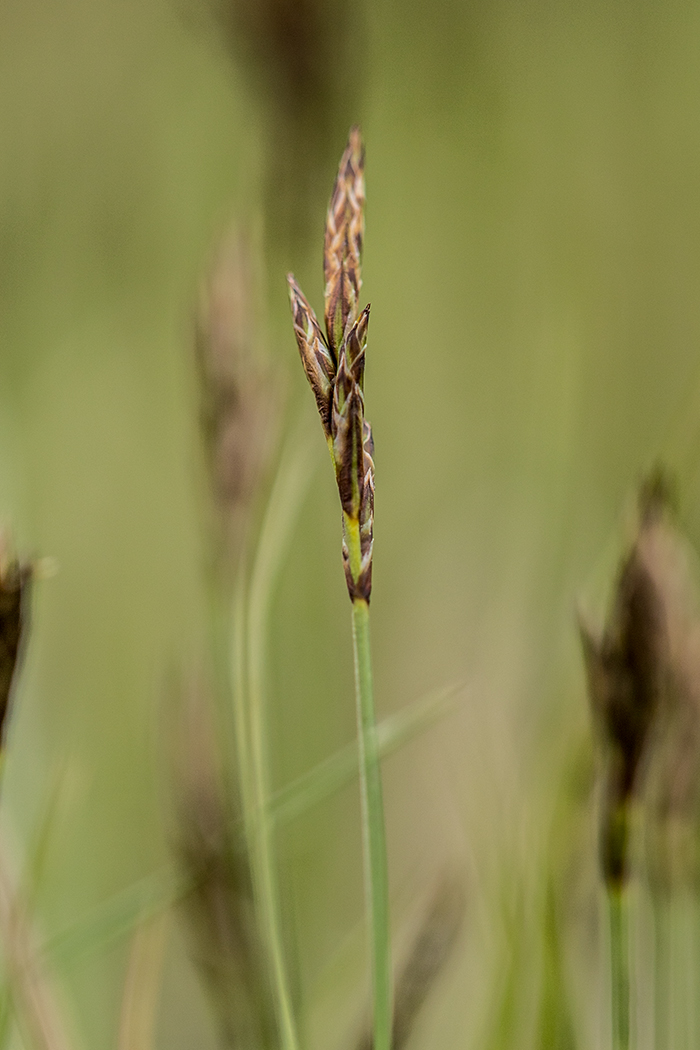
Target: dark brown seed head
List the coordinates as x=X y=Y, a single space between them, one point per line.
x=343 y=242
x=430 y=950
x=362 y=586
x=318 y=360
x=626 y=669
x=219 y=907
x=238 y=391
x=14 y=599
x=348 y=448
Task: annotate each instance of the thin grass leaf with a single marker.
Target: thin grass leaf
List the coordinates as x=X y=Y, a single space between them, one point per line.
x=5 y=1016
x=117 y=916
x=288 y=492
x=506 y=1008
x=340 y=769
x=36 y=1010
x=142 y=985
x=35 y=866
x=556 y=1029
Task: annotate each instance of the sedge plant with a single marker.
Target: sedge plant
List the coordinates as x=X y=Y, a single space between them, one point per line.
x=334 y=363
x=627 y=669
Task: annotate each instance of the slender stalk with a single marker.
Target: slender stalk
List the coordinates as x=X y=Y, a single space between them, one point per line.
x=375 y=862
x=285 y=501
x=619 y=966
x=662 y=983
x=240 y=715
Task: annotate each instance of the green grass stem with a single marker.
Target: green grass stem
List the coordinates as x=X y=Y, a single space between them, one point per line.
x=662 y=971
x=618 y=906
x=117 y=917
x=240 y=705
x=288 y=491
x=374 y=842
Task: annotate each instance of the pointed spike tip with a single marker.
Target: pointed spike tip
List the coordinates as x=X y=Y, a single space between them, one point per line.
x=342 y=253
x=355 y=146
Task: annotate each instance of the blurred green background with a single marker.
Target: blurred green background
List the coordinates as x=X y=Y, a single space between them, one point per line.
x=533 y=262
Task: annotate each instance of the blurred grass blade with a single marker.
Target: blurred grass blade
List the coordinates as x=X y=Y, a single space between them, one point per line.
x=38 y=1017
x=555 y=1023
x=5 y=1015
x=618 y=906
x=288 y=492
x=341 y=768
x=34 y=867
x=142 y=986
x=662 y=971
x=505 y=1011
x=118 y=915
x=431 y=949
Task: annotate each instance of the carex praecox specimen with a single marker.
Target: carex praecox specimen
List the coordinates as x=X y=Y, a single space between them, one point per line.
x=334 y=363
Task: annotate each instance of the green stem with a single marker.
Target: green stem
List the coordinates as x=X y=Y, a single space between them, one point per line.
x=662 y=960
x=238 y=683
x=619 y=966
x=375 y=863
x=288 y=492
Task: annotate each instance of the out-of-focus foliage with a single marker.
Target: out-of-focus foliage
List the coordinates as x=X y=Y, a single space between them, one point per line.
x=532 y=260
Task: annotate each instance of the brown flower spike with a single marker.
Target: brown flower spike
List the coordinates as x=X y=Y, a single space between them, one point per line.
x=335 y=364
x=14 y=594
x=626 y=668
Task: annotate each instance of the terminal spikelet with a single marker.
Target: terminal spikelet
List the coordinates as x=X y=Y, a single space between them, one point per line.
x=342 y=248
